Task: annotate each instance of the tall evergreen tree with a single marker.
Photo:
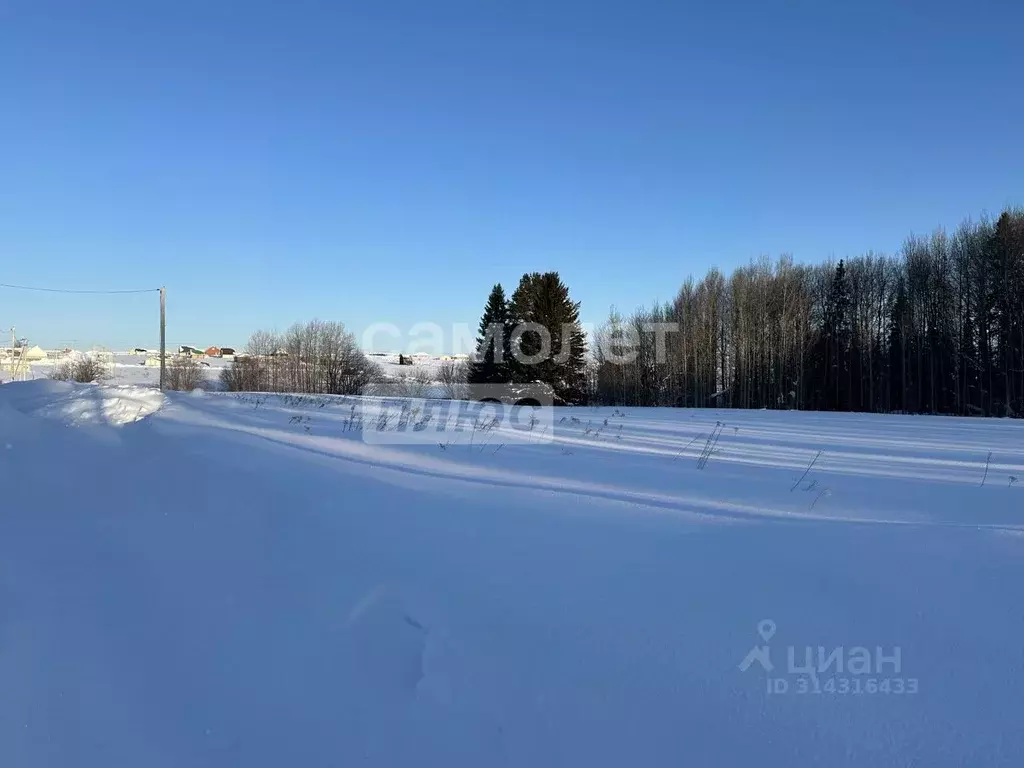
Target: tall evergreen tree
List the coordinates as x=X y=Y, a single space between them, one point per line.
x=1006 y=256
x=525 y=343
x=837 y=330
x=829 y=359
x=491 y=363
x=543 y=300
x=898 y=351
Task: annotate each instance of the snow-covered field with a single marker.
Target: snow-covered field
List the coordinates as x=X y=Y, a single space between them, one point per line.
x=220 y=580
x=390 y=367
x=129 y=370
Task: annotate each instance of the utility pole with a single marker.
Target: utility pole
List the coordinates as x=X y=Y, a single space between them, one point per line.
x=163 y=334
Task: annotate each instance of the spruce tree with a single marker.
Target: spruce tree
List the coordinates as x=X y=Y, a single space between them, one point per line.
x=491 y=361
x=525 y=344
x=543 y=299
x=897 y=351
x=837 y=329
x=1006 y=256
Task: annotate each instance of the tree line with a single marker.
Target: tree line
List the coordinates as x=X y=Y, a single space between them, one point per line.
x=936 y=328
x=534 y=336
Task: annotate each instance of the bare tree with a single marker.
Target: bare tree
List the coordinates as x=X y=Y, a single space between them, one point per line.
x=184 y=374
x=245 y=374
x=85 y=370
x=452 y=377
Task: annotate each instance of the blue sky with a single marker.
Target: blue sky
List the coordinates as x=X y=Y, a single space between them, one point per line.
x=388 y=161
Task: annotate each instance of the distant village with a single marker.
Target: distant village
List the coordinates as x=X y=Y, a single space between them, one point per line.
x=16 y=358
x=21 y=351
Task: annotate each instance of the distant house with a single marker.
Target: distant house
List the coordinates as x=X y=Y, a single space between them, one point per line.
x=33 y=354
x=188 y=351
x=213 y=352
x=140 y=351
x=227 y=350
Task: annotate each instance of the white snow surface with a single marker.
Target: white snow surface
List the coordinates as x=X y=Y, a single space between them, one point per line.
x=76 y=405
x=223 y=580
x=131 y=370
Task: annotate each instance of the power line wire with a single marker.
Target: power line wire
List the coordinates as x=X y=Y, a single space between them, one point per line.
x=66 y=290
